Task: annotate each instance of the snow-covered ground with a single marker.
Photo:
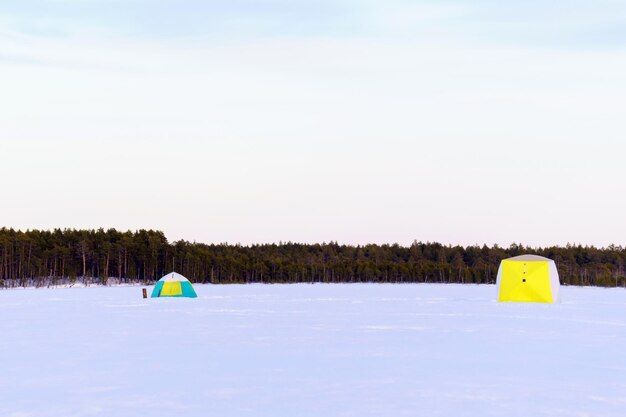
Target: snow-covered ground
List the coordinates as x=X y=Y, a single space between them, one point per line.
x=311 y=350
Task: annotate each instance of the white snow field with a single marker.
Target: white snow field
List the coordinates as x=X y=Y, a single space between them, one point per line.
x=318 y=350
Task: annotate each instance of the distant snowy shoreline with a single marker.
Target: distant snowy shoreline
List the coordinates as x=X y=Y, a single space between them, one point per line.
x=34 y=283
x=114 y=282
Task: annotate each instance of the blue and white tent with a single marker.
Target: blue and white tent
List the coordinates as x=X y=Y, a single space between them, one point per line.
x=173 y=285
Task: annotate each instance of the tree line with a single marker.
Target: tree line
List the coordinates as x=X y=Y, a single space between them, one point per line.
x=43 y=258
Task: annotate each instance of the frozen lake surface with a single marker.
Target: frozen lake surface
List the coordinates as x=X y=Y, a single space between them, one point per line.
x=311 y=351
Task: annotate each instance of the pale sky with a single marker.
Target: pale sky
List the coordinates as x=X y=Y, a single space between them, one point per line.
x=463 y=122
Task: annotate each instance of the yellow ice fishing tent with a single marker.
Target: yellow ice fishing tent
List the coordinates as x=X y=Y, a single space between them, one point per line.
x=529 y=278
